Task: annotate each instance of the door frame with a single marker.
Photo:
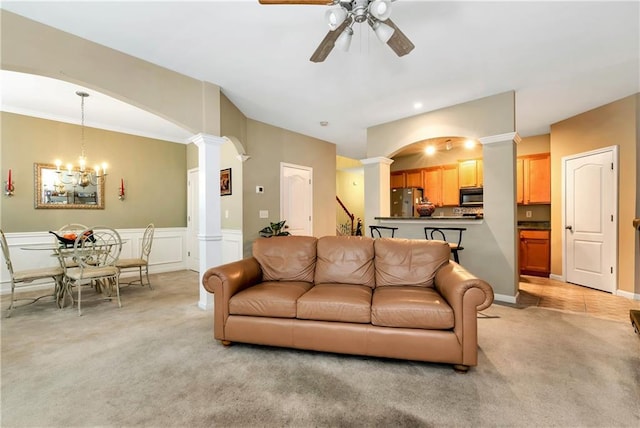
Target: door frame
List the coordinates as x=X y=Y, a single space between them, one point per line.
x=616 y=178
x=191 y=212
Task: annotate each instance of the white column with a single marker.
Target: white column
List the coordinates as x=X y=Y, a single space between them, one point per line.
x=210 y=232
x=377 y=196
x=501 y=212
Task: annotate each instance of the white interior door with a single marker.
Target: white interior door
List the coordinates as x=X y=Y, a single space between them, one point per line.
x=590 y=219
x=296 y=198
x=193 y=223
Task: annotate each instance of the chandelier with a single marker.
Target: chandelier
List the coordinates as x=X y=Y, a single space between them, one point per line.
x=80 y=175
x=373 y=12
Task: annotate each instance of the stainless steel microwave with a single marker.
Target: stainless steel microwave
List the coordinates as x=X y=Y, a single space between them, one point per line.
x=471 y=196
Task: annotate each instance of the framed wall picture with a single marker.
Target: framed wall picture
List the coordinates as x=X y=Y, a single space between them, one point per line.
x=225 y=182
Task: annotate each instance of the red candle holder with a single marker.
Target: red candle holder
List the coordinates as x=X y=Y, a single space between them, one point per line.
x=121 y=190
x=9 y=186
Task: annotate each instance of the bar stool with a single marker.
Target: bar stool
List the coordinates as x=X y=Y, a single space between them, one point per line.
x=378 y=230
x=440 y=233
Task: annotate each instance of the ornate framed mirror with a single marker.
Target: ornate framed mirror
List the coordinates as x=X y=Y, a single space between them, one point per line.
x=67 y=189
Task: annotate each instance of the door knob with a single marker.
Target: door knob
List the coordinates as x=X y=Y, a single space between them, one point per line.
x=569 y=228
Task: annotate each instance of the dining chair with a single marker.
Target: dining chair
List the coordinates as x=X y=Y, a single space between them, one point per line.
x=141 y=262
x=451 y=235
x=96 y=251
x=24 y=277
x=70 y=228
x=379 y=230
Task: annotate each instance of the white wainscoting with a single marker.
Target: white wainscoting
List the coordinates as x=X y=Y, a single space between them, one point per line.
x=168 y=252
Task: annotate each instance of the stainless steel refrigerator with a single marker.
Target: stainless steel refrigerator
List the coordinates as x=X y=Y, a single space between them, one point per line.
x=404 y=200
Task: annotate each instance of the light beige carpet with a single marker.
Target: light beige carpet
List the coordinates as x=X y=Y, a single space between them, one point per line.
x=154 y=363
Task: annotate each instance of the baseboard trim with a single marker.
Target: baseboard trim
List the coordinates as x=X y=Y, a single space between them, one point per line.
x=627 y=294
x=505 y=298
x=557 y=277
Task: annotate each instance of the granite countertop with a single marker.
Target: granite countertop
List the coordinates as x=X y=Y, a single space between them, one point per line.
x=534 y=225
x=435 y=217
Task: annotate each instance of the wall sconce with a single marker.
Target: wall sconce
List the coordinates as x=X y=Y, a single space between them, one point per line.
x=121 y=190
x=9 y=186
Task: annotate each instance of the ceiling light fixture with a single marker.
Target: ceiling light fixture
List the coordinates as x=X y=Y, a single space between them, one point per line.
x=430 y=150
x=80 y=175
x=372 y=12
x=469 y=144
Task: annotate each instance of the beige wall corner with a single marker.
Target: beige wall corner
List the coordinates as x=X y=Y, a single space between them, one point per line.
x=616 y=123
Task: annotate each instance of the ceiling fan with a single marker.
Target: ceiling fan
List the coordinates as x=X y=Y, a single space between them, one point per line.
x=345 y=14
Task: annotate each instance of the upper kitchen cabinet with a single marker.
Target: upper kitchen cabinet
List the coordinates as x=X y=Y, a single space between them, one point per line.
x=397 y=179
x=441 y=185
x=407 y=178
x=534 y=179
x=470 y=173
x=414 y=178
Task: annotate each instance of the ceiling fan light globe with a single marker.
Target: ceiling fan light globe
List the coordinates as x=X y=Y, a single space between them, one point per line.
x=335 y=17
x=383 y=31
x=380 y=9
x=344 y=40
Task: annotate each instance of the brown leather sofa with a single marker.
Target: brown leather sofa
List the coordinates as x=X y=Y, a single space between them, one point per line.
x=395 y=298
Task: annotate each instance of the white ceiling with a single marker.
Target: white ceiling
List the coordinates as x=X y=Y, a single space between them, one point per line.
x=561 y=59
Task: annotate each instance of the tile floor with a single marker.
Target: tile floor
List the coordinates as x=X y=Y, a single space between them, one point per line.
x=552 y=294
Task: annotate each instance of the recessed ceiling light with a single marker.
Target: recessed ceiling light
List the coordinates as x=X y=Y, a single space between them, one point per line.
x=417 y=105
x=469 y=144
x=430 y=150
x=324 y=123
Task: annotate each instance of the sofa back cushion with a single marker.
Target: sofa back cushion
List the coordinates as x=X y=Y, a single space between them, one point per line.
x=286 y=258
x=409 y=261
x=345 y=260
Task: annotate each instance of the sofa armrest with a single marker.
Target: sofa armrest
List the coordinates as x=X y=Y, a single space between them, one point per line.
x=453 y=282
x=466 y=294
x=226 y=280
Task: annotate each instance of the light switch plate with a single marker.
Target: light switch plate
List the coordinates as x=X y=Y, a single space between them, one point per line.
x=264 y=214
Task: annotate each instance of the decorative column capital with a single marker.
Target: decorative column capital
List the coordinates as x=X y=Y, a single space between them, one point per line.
x=200 y=139
x=500 y=138
x=377 y=160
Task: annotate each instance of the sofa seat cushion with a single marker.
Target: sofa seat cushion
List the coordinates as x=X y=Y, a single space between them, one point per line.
x=336 y=302
x=410 y=307
x=409 y=261
x=345 y=260
x=269 y=299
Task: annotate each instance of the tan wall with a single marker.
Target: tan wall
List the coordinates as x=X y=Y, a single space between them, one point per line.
x=422 y=160
x=233 y=126
x=268 y=146
x=612 y=124
x=30 y=47
x=534 y=145
x=153 y=171
x=490 y=247
x=484 y=117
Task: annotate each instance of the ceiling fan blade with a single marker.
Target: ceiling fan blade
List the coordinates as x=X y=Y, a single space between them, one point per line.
x=327 y=44
x=400 y=43
x=318 y=2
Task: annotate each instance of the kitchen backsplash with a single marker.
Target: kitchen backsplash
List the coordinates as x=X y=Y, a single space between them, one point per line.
x=467 y=210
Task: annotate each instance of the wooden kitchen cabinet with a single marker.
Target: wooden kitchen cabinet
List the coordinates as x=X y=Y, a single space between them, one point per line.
x=397 y=179
x=441 y=185
x=433 y=185
x=533 y=174
x=413 y=178
x=450 y=189
x=535 y=252
x=470 y=173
